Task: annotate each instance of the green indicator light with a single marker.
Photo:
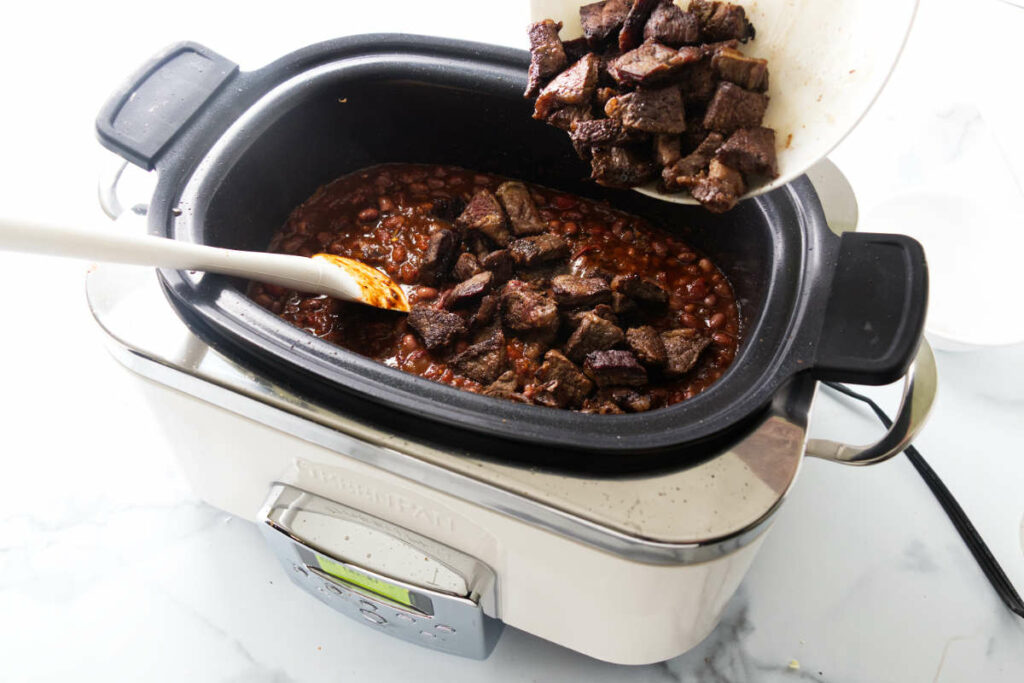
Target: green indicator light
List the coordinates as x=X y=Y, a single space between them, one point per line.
x=374 y=585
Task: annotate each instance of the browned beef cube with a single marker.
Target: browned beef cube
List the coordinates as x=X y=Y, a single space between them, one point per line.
x=647 y=345
x=593 y=334
x=614 y=369
x=602 y=133
x=752 y=151
x=477 y=245
x=531 y=251
x=521 y=210
x=575 y=49
x=601 y=19
x=439 y=256
x=670 y=25
x=470 y=290
x=682 y=350
x=632 y=32
x=485 y=311
x=437 y=329
x=565 y=117
x=526 y=308
x=649 y=63
x=606 y=407
x=722 y=20
x=666 y=150
x=630 y=400
x=746 y=72
x=574 y=86
x=573 y=319
x=622 y=304
x=640 y=289
x=447 y=208
x=506 y=387
x=697 y=80
x=565 y=382
x=650 y=111
x=572 y=291
x=547 y=56
x=484 y=361
x=466 y=266
x=483 y=214
x=689 y=170
x=721 y=189
x=733 y=107
x=500 y=263
x=620 y=167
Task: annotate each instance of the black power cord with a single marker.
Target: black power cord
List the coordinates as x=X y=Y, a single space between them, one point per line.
x=993 y=572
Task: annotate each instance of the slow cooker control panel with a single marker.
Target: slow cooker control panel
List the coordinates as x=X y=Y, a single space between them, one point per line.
x=383 y=575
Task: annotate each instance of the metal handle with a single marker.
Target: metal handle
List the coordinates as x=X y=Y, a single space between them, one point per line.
x=919 y=386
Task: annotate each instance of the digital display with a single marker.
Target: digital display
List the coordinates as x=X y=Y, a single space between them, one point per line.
x=370 y=583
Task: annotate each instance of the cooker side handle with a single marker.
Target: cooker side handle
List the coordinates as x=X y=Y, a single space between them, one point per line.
x=874 y=318
x=142 y=117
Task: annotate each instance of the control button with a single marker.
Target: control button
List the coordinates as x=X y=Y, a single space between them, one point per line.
x=334 y=589
x=299 y=569
x=368 y=605
x=405 y=618
x=428 y=635
x=374 y=617
x=445 y=629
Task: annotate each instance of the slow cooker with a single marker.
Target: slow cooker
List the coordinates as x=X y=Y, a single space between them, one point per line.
x=437 y=515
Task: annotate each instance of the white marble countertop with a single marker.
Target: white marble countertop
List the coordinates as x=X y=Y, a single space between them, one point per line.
x=111 y=569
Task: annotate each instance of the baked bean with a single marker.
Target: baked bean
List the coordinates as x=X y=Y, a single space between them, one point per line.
x=384 y=203
x=368 y=214
x=710 y=300
x=716 y=321
x=706 y=265
x=418 y=188
x=722 y=338
x=570 y=228
x=690 y=320
x=422 y=294
x=398 y=253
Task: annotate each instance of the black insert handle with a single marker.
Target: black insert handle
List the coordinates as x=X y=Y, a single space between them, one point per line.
x=876 y=310
x=141 y=119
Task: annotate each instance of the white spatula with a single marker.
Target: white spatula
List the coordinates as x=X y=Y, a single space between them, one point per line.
x=336 y=276
x=827 y=60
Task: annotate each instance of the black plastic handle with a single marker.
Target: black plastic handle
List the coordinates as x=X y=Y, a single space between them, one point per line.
x=148 y=112
x=876 y=310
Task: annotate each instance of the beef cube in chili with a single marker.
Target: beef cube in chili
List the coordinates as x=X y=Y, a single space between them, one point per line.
x=620 y=167
x=485 y=311
x=747 y=72
x=531 y=251
x=614 y=368
x=483 y=214
x=470 y=290
x=686 y=172
x=733 y=108
x=670 y=25
x=526 y=308
x=646 y=343
x=605 y=407
x=572 y=385
x=573 y=319
x=500 y=263
x=630 y=400
x=572 y=291
x=439 y=256
x=622 y=304
x=721 y=189
x=484 y=361
x=649 y=63
x=521 y=210
x=601 y=19
x=437 y=329
x=640 y=289
x=547 y=56
x=447 y=208
x=751 y=151
x=574 y=86
x=594 y=333
x=506 y=387
x=650 y=111
x=466 y=266
x=632 y=32
x=682 y=349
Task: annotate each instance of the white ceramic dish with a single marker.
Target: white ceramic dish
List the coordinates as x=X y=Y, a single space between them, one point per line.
x=828 y=61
